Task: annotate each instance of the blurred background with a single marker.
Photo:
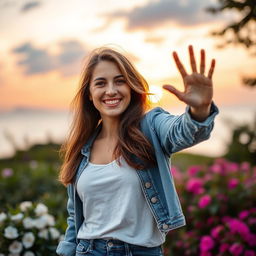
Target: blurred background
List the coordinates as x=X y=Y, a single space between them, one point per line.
x=43 y=45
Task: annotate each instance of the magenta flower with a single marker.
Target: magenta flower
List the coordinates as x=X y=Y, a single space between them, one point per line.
x=215 y=232
x=176 y=173
x=237 y=226
x=194 y=169
x=206 y=243
x=232 y=167
x=195 y=185
x=250 y=239
x=243 y=214
x=7 y=172
x=217 y=168
x=204 y=201
x=245 y=166
x=224 y=247
x=233 y=182
x=249 y=253
x=205 y=253
x=236 y=249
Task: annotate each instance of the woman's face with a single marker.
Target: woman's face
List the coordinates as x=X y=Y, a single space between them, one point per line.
x=109 y=91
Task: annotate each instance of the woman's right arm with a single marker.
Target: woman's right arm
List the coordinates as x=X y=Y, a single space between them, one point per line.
x=67 y=247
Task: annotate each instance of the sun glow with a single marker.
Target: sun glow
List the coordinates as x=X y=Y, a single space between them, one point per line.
x=157 y=93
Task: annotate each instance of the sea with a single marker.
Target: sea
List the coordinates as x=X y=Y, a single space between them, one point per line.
x=21 y=128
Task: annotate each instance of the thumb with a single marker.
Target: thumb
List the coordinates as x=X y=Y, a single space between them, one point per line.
x=174 y=91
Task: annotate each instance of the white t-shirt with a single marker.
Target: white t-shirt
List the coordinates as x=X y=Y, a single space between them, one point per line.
x=114 y=206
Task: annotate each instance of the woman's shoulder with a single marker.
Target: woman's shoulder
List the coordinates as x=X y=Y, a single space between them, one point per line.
x=155 y=112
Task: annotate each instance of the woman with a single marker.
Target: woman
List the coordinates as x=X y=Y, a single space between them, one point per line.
x=121 y=195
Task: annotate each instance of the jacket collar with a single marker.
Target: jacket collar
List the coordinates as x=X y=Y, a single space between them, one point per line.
x=87 y=146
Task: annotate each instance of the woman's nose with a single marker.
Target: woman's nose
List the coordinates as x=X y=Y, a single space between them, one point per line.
x=111 y=89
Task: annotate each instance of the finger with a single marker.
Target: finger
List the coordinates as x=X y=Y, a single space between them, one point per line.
x=174 y=91
x=202 y=61
x=192 y=58
x=210 y=73
x=179 y=65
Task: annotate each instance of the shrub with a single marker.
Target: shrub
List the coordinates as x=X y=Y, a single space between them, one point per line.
x=219 y=203
x=28 y=230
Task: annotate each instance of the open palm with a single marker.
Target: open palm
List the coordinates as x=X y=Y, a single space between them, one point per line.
x=198 y=89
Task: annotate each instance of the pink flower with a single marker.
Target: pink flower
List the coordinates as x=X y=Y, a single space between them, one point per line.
x=250 y=239
x=206 y=243
x=232 y=167
x=245 y=166
x=203 y=253
x=194 y=169
x=195 y=185
x=237 y=226
x=224 y=247
x=233 y=182
x=236 y=249
x=176 y=173
x=249 y=253
x=204 y=201
x=215 y=232
x=217 y=168
x=243 y=214
x=7 y=172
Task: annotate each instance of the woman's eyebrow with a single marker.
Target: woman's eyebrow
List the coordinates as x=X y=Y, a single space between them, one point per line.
x=103 y=78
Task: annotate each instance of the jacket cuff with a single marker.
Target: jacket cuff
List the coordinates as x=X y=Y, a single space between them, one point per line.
x=213 y=112
x=66 y=249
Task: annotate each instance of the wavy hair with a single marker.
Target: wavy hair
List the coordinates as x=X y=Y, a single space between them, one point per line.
x=131 y=141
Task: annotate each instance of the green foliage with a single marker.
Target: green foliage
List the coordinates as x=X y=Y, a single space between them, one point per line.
x=243 y=144
x=242 y=31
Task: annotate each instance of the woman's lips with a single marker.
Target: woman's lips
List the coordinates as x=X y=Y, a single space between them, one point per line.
x=112 y=102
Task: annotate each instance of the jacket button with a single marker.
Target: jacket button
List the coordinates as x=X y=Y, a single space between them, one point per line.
x=110 y=244
x=154 y=200
x=165 y=226
x=147 y=184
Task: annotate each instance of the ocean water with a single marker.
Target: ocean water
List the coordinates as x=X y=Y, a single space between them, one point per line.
x=22 y=128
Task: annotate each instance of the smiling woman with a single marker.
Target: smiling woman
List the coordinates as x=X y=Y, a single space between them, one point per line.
x=122 y=199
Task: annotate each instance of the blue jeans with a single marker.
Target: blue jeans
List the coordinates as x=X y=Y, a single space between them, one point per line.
x=111 y=247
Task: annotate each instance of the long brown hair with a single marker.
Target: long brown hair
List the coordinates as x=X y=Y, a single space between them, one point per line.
x=131 y=141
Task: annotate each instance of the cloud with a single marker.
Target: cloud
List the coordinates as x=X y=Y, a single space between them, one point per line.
x=30 y=5
x=157 y=13
x=38 y=60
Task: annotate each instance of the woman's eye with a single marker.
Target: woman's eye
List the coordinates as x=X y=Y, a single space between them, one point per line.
x=100 y=83
x=121 y=81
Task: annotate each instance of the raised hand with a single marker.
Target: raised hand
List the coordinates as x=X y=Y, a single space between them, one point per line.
x=198 y=89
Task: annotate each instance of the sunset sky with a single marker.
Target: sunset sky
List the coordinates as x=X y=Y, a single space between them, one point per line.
x=43 y=45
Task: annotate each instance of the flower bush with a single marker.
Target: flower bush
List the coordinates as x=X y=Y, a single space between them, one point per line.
x=219 y=203
x=28 y=230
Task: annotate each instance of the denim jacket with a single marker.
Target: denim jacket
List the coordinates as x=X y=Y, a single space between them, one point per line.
x=168 y=134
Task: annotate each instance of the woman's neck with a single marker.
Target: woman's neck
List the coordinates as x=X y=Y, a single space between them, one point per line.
x=109 y=129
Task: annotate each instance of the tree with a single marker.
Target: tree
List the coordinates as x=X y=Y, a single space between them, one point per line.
x=243 y=31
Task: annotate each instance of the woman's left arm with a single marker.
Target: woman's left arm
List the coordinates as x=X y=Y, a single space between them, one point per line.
x=198 y=87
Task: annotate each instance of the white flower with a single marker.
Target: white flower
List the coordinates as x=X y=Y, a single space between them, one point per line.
x=3 y=217
x=28 y=253
x=49 y=219
x=28 y=239
x=40 y=222
x=25 y=205
x=11 y=232
x=41 y=209
x=1 y=254
x=55 y=234
x=17 y=217
x=15 y=247
x=28 y=222
x=44 y=234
